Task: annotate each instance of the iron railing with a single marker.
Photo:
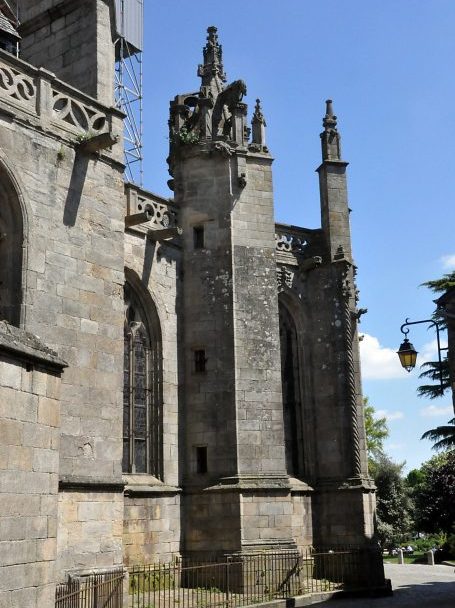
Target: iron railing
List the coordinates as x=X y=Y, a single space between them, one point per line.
x=101 y=590
x=241 y=580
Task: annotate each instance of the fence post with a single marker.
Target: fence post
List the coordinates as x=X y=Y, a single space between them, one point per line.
x=228 y=567
x=125 y=587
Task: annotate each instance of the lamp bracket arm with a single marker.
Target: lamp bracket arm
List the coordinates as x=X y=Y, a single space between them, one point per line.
x=431 y=322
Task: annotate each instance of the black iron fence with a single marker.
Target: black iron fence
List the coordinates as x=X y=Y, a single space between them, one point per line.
x=240 y=580
x=101 y=590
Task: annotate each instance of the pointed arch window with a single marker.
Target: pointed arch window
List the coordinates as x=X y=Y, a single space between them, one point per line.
x=11 y=253
x=291 y=390
x=142 y=388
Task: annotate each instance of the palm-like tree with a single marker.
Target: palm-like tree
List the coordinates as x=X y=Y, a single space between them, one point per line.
x=444 y=436
x=439 y=374
x=435 y=372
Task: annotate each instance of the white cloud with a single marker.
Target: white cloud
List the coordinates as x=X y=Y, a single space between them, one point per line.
x=389 y=415
x=448 y=261
x=379 y=362
x=432 y=411
x=394 y=446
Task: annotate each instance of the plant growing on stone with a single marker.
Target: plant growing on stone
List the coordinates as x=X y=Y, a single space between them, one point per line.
x=187 y=137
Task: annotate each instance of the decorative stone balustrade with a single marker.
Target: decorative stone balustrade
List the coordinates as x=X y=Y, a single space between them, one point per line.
x=163 y=213
x=298 y=241
x=52 y=102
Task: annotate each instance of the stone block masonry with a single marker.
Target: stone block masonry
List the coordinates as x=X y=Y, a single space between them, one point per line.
x=29 y=461
x=73 y=39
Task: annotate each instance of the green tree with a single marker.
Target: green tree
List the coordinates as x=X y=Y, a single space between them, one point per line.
x=435 y=371
x=443 y=284
x=376 y=431
x=444 y=436
x=393 y=507
x=434 y=494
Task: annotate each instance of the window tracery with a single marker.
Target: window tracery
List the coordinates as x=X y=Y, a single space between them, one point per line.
x=142 y=390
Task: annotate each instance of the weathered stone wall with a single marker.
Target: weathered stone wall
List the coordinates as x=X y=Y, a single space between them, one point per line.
x=74 y=40
x=260 y=429
x=73 y=208
x=208 y=318
x=210 y=515
x=151 y=530
x=90 y=530
x=29 y=459
x=230 y=310
x=266 y=518
x=155 y=267
x=302 y=519
x=152 y=507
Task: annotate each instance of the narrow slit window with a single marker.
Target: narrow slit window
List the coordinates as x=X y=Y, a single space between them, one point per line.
x=199 y=361
x=198 y=235
x=201 y=460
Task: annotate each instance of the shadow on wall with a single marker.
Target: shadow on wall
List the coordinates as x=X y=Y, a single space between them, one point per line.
x=148 y=260
x=75 y=189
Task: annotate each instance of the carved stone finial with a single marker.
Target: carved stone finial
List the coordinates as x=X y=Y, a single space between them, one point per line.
x=258 y=125
x=258 y=116
x=330 y=120
x=213 y=58
x=330 y=138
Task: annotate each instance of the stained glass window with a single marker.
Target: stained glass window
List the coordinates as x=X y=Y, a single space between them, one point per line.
x=142 y=381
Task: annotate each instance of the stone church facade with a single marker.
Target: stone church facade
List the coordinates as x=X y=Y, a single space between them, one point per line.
x=177 y=376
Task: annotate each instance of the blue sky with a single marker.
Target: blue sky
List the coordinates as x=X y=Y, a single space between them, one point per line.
x=389 y=67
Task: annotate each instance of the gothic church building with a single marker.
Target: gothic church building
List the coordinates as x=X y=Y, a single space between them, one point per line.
x=177 y=376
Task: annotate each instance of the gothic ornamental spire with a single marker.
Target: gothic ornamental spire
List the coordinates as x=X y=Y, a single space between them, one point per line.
x=212 y=68
x=215 y=115
x=330 y=138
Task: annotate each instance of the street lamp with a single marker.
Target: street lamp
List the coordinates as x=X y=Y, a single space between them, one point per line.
x=408 y=354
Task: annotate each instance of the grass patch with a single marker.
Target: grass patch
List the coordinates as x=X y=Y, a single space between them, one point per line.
x=418 y=557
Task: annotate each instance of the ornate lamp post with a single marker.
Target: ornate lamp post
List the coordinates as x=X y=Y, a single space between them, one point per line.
x=408 y=354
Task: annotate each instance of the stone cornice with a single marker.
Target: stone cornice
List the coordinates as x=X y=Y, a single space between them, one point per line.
x=76 y=483
x=28 y=347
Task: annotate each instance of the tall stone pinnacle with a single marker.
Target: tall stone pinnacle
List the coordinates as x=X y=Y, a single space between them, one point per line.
x=212 y=68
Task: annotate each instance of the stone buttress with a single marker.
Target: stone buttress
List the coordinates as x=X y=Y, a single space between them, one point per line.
x=236 y=489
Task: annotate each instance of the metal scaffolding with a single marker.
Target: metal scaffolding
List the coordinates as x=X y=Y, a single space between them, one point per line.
x=128 y=82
